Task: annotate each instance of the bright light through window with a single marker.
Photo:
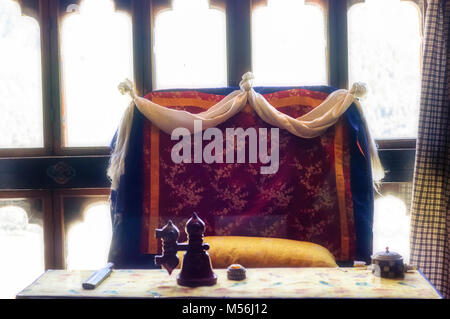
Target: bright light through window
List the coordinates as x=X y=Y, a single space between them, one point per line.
x=96 y=50
x=21 y=116
x=190 y=46
x=21 y=251
x=88 y=241
x=289 y=44
x=385 y=52
x=391 y=226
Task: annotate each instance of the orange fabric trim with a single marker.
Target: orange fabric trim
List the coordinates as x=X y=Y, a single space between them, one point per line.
x=276 y=102
x=295 y=100
x=360 y=149
x=176 y=101
x=154 y=190
x=340 y=187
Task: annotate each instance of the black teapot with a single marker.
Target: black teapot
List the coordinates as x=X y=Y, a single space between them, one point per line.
x=389 y=264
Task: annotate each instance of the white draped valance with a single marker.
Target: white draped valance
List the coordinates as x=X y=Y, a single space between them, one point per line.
x=310 y=125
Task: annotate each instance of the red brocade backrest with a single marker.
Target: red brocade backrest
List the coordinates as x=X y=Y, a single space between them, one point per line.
x=308 y=198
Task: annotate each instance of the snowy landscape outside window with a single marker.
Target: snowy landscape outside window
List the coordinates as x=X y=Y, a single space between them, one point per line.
x=96 y=57
x=190 y=46
x=21 y=120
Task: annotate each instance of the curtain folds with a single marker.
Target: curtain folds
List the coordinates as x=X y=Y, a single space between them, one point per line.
x=309 y=125
x=430 y=214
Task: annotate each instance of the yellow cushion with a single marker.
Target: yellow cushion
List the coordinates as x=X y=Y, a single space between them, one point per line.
x=260 y=252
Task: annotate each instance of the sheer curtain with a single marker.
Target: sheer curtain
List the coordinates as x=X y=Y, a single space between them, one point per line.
x=430 y=220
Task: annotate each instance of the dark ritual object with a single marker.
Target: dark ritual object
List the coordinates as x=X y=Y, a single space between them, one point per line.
x=196 y=269
x=389 y=264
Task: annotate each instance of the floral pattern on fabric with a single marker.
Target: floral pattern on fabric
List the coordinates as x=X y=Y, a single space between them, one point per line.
x=299 y=201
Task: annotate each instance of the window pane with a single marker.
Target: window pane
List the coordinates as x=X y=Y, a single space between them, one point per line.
x=387 y=56
x=289 y=44
x=21 y=245
x=96 y=50
x=391 y=225
x=88 y=233
x=190 y=46
x=21 y=119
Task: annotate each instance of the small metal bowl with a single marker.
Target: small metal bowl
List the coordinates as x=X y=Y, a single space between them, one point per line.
x=236 y=272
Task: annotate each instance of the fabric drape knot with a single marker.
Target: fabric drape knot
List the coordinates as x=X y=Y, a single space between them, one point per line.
x=247 y=82
x=359 y=90
x=127 y=87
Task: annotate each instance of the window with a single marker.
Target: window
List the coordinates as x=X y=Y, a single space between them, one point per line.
x=21 y=120
x=190 y=46
x=394 y=48
x=88 y=239
x=61 y=62
x=96 y=55
x=391 y=226
x=289 y=43
x=392 y=104
x=21 y=244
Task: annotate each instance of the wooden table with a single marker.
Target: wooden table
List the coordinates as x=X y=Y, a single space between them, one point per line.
x=260 y=283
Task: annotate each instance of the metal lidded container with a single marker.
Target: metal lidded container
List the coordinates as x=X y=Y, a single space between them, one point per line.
x=388 y=264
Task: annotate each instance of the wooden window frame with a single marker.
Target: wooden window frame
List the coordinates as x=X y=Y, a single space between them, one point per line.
x=31 y=172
